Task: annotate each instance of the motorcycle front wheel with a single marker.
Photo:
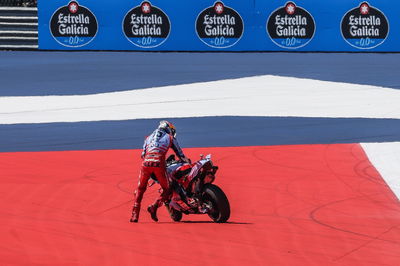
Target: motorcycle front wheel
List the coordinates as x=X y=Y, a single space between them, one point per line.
x=175 y=215
x=214 y=197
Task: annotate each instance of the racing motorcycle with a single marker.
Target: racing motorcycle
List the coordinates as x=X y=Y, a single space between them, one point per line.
x=194 y=191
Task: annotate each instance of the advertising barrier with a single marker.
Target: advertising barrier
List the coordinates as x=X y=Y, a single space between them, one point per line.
x=230 y=25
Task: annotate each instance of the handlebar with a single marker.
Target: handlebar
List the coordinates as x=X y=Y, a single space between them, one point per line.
x=171 y=159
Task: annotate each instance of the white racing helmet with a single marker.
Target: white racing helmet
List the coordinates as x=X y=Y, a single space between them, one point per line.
x=168 y=127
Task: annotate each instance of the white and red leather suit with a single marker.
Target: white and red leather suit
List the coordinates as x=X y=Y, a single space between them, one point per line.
x=155 y=148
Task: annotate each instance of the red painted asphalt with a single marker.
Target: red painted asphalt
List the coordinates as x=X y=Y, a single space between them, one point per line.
x=291 y=205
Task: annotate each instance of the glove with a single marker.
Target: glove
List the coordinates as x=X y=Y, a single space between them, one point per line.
x=186 y=160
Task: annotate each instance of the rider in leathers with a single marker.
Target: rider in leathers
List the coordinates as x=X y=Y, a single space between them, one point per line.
x=155 y=148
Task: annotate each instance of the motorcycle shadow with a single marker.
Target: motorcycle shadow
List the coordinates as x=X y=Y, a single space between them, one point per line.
x=211 y=222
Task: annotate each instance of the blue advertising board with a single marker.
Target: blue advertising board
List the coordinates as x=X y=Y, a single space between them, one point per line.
x=230 y=25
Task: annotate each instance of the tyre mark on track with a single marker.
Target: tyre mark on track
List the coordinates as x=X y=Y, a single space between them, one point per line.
x=313 y=213
x=366 y=243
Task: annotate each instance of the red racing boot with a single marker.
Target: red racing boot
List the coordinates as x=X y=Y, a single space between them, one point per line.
x=152 y=209
x=135 y=214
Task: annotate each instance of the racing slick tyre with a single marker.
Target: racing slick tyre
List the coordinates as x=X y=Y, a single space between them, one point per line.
x=217 y=200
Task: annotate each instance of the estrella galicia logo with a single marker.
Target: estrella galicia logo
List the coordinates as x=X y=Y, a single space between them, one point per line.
x=146 y=26
x=219 y=26
x=73 y=25
x=291 y=26
x=365 y=27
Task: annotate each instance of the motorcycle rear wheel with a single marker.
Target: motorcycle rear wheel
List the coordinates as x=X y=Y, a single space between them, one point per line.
x=220 y=209
x=175 y=215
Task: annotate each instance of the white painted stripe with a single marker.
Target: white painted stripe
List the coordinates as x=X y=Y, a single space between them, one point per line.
x=386 y=159
x=31 y=32
x=253 y=96
x=18 y=38
x=17 y=8
x=18 y=46
x=18 y=17
x=17 y=24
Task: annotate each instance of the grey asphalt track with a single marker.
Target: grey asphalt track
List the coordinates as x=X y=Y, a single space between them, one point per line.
x=198 y=132
x=70 y=73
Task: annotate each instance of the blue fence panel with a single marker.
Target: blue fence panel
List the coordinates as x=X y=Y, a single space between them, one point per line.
x=231 y=25
x=328 y=18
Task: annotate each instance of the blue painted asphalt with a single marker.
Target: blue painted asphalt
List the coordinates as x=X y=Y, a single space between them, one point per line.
x=198 y=132
x=68 y=73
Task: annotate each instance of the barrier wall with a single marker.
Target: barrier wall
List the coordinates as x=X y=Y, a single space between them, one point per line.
x=231 y=25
